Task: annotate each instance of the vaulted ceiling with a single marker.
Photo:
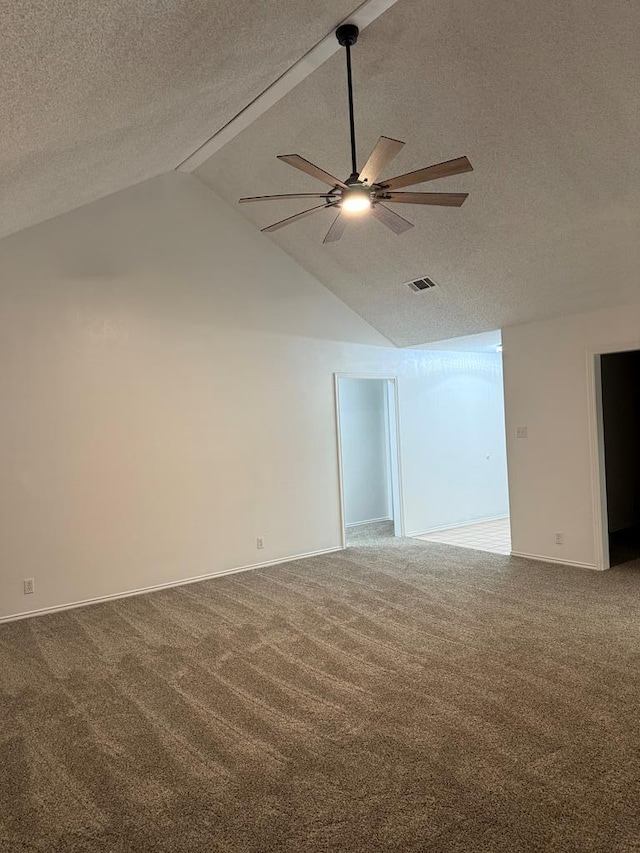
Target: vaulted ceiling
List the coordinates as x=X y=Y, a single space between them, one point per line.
x=544 y=98
x=96 y=96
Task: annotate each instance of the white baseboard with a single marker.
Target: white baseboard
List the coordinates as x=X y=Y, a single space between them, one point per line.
x=157 y=587
x=371 y=521
x=456 y=525
x=572 y=563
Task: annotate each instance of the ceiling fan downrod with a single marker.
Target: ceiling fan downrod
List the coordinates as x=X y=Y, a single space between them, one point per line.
x=347 y=36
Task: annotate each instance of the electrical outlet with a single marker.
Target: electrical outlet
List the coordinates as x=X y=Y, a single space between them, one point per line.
x=521 y=432
x=260 y=543
x=29 y=586
x=559 y=538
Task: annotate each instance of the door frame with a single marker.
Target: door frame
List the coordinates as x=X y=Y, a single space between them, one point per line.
x=395 y=455
x=596 y=447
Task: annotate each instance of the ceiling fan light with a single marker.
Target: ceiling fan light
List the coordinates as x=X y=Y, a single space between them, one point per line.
x=356 y=201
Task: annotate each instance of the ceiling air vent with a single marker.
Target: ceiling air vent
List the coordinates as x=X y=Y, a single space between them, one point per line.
x=421 y=284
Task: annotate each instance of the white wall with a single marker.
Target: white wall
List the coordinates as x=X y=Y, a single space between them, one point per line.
x=166 y=376
x=364 y=443
x=552 y=487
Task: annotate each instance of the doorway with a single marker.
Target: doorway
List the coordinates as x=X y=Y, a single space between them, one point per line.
x=368 y=451
x=620 y=453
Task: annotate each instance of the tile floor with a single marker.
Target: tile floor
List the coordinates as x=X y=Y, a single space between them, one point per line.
x=493 y=536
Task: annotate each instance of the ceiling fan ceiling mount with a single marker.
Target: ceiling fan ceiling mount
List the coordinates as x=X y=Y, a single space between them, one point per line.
x=347 y=35
x=362 y=192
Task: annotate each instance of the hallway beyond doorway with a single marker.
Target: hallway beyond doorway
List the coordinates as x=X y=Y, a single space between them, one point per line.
x=375 y=533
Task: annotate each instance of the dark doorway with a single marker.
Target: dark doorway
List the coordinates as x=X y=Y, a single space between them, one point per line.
x=621 y=421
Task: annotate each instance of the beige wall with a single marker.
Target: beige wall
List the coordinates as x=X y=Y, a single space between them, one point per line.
x=547 y=389
x=166 y=376
x=149 y=344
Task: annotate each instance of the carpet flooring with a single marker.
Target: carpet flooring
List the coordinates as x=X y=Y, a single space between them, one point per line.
x=398 y=696
x=369 y=534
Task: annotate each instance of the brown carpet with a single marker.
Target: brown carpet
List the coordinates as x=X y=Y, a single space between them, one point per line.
x=403 y=697
x=369 y=534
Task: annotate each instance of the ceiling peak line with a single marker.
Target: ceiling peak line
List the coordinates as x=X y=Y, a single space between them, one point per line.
x=364 y=15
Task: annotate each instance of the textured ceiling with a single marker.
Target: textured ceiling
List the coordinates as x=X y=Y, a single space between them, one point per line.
x=544 y=98
x=97 y=96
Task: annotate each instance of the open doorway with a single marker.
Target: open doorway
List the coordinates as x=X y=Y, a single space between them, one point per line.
x=369 y=468
x=456 y=473
x=620 y=445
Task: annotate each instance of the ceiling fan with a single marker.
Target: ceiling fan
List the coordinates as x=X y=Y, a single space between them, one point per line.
x=362 y=192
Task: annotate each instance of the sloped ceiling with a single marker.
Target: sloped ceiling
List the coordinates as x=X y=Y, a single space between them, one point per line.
x=544 y=98
x=96 y=96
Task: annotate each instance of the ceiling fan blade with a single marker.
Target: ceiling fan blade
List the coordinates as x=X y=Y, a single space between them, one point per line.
x=442 y=199
x=337 y=228
x=286 y=195
x=308 y=168
x=430 y=173
x=383 y=153
x=390 y=218
x=297 y=216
